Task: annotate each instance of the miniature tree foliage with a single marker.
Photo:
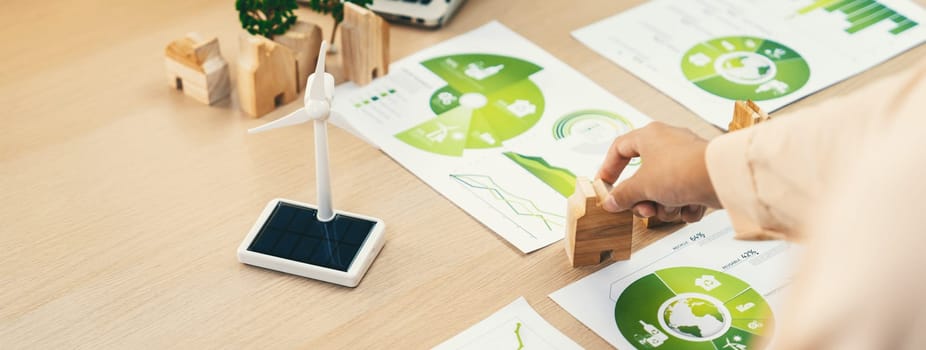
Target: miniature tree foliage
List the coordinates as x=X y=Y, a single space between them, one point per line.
x=266 y=17
x=336 y=9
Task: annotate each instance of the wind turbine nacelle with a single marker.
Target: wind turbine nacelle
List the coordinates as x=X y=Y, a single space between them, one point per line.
x=329 y=87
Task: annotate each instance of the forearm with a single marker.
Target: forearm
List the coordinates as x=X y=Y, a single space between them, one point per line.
x=771 y=177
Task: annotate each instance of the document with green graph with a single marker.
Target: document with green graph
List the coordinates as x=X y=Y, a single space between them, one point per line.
x=699 y=288
x=516 y=327
x=495 y=124
x=707 y=53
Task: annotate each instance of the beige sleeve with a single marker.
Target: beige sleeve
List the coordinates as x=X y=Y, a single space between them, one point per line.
x=770 y=177
x=861 y=282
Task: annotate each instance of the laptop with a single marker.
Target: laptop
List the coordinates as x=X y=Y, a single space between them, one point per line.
x=422 y=13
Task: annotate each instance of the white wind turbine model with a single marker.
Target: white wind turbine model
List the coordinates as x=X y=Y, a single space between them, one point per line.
x=298 y=238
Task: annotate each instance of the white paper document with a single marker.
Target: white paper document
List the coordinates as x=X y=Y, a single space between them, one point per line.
x=706 y=53
x=495 y=124
x=698 y=288
x=516 y=326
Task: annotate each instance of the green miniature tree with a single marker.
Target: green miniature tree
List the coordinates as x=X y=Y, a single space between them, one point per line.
x=336 y=9
x=266 y=17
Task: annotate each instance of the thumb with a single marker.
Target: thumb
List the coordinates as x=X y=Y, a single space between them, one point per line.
x=625 y=195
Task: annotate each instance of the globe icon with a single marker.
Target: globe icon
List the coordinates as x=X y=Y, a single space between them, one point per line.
x=688 y=307
x=695 y=317
x=747 y=68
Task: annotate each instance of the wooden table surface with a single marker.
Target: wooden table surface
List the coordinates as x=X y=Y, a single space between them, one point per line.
x=122 y=201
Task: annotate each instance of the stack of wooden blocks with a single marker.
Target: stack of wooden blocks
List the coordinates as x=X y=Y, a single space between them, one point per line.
x=271 y=73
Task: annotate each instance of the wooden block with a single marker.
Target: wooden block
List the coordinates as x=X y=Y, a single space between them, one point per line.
x=365 y=39
x=196 y=67
x=303 y=39
x=653 y=222
x=594 y=235
x=746 y=114
x=266 y=75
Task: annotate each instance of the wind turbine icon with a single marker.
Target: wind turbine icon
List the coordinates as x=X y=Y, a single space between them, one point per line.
x=313 y=241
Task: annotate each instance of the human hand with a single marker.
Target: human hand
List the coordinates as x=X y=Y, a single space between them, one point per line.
x=671 y=184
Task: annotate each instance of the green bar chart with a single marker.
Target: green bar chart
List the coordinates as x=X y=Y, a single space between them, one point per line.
x=862 y=14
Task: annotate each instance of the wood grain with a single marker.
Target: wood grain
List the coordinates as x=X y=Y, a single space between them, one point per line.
x=746 y=114
x=196 y=67
x=365 y=38
x=303 y=39
x=122 y=201
x=594 y=235
x=266 y=75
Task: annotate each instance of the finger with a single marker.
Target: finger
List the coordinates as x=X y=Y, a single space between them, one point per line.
x=644 y=209
x=667 y=214
x=701 y=210
x=625 y=195
x=622 y=150
x=693 y=213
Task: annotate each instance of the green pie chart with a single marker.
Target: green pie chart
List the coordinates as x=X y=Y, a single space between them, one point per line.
x=745 y=68
x=692 y=308
x=488 y=99
x=595 y=128
x=593 y=124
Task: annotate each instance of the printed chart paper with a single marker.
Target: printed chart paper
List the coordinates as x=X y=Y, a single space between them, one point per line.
x=698 y=288
x=706 y=53
x=516 y=326
x=495 y=124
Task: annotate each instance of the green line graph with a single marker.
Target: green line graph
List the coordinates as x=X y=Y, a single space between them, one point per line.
x=518 y=205
x=861 y=14
x=560 y=179
x=517 y=332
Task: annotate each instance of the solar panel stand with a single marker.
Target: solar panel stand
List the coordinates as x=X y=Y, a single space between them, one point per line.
x=306 y=240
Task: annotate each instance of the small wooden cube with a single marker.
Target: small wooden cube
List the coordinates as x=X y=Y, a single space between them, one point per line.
x=594 y=235
x=196 y=67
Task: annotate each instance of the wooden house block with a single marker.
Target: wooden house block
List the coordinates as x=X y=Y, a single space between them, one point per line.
x=746 y=114
x=196 y=67
x=303 y=39
x=594 y=235
x=365 y=38
x=266 y=75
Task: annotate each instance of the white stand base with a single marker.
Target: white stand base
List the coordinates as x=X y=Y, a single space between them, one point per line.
x=358 y=267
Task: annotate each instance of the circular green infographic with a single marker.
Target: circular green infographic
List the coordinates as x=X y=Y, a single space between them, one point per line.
x=488 y=99
x=692 y=308
x=745 y=68
x=595 y=129
x=592 y=124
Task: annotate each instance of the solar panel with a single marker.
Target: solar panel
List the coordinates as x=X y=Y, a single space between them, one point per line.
x=292 y=232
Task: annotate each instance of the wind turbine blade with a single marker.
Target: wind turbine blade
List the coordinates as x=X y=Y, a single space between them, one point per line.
x=317 y=91
x=297 y=117
x=320 y=64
